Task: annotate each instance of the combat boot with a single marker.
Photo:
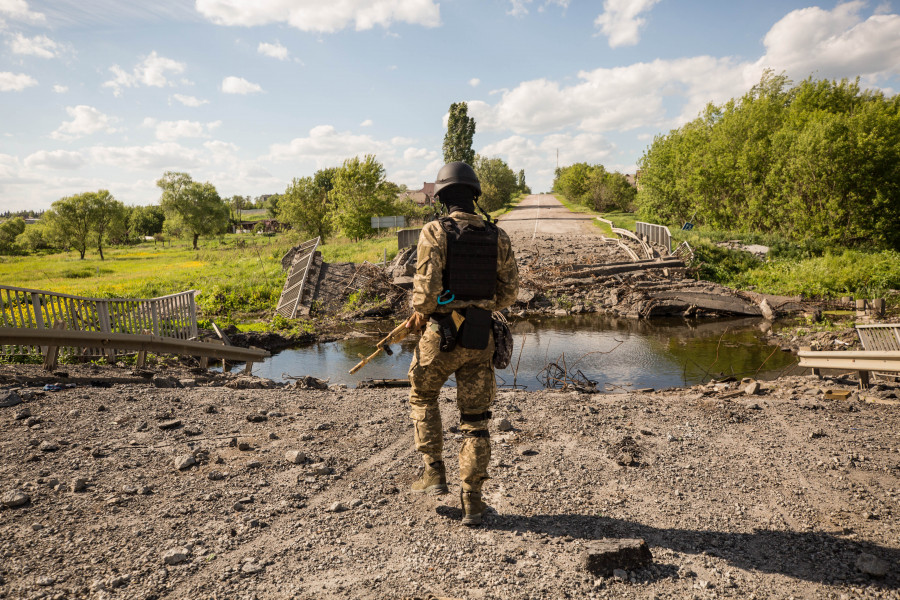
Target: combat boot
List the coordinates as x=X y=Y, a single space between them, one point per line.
x=433 y=480
x=473 y=507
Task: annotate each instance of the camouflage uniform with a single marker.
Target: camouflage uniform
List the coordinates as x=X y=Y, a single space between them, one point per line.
x=430 y=368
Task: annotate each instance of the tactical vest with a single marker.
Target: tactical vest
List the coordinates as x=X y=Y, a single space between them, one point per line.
x=471 y=269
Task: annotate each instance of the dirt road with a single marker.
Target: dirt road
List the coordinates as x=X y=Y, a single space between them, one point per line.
x=543 y=214
x=144 y=492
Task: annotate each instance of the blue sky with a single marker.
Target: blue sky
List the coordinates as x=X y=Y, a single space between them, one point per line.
x=249 y=94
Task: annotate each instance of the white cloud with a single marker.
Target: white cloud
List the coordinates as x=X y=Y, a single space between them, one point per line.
x=86 y=120
x=519 y=8
x=168 y=155
x=621 y=22
x=169 y=131
x=39 y=45
x=239 y=85
x=152 y=71
x=60 y=89
x=18 y=10
x=834 y=44
x=190 y=100
x=275 y=50
x=327 y=147
x=474 y=82
x=366 y=123
x=325 y=17
x=56 y=159
x=15 y=82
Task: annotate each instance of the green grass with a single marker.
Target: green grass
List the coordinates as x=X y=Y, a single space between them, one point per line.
x=237 y=275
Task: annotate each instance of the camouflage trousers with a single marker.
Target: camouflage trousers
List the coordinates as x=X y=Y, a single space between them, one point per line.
x=475 y=390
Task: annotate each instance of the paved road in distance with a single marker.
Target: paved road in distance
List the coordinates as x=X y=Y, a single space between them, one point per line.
x=544 y=214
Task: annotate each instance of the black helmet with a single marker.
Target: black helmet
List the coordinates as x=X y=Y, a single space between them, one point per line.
x=457 y=173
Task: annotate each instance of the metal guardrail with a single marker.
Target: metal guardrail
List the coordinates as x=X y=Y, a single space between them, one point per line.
x=173 y=316
x=292 y=292
x=655 y=234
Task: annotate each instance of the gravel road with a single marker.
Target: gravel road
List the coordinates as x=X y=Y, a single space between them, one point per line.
x=207 y=491
x=544 y=214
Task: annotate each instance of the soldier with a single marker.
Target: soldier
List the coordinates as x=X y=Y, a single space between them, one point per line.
x=465 y=269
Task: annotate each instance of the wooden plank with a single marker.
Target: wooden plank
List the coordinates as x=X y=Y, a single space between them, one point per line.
x=221 y=334
x=854 y=360
x=125 y=341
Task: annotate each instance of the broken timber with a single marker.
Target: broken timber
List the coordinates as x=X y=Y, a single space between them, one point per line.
x=864 y=361
x=56 y=338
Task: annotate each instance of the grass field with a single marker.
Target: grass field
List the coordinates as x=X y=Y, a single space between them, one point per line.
x=238 y=276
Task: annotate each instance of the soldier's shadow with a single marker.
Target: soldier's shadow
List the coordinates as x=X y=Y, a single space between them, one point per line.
x=811 y=556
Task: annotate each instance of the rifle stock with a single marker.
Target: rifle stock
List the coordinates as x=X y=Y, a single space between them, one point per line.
x=397 y=335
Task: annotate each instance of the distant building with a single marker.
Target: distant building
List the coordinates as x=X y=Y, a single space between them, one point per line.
x=423 y=196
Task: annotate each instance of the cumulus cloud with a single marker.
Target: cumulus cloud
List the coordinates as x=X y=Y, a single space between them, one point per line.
x=15 y=82
x=39 y=45
x=55 y=159
x=239 y=85
x=190 y=100
x=60 y=89
x=366 y=123
x=153 y=71
x=18 y=10
x=324 y=17
x=474 y=82
x=86 y=120
x=834 y=44
x=275 y=50
x=325 y=146
x=167 y=155
x=168 y=131
x=621 y=20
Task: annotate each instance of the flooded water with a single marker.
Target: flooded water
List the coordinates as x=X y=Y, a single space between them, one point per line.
x=617 y=354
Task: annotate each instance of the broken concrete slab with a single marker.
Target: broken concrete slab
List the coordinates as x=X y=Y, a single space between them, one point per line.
x=604 y=556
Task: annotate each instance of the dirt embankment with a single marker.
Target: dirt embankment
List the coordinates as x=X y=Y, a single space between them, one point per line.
x=217 y=491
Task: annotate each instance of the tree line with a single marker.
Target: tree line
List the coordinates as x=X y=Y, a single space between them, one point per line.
x=816 y=162
x=595 y=187
x=336 y=200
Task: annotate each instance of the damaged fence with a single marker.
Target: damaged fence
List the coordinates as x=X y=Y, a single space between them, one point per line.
x=173 y=316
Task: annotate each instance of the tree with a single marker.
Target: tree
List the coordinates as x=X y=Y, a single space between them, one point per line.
x=9 y=231
x=360 y=192
x=498 y=182
x=521 y=186
x=458 y=139
x=273 y=206
x=194 y=207
x=70 y=222
x=33 y=238
x=238 y=205
x=304 y=205
x=147 y=220
x=108 y=214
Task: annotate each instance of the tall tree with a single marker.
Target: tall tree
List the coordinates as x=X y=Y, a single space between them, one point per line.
x=70 y=222
x=9 y=231
x=196 y=207
x=108 y=215
x=360 y=192
x=304 y=204
x=147 y=220
x=458 y=139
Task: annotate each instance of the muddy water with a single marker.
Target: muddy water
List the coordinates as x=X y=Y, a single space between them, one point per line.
x=617 y=354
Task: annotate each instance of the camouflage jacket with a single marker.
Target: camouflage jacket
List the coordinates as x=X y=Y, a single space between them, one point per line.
x=432 y=256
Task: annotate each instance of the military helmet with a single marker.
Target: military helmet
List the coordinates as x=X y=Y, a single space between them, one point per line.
x=457 y=173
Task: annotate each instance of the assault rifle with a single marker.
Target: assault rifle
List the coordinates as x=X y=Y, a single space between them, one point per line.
x=395 y=336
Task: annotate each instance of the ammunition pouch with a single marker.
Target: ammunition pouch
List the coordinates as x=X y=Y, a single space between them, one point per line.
x=476 y=329
x=447 y=330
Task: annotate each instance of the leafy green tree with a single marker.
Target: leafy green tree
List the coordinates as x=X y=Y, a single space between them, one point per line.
x=193 y=207
x=272 y=205
x=146 y=220
x=238 y=205
x=9 y=231
x=70 y=222
x=108 y=215
x=305 y=206
x=521 y=186
x=360 y=192
x=33 y=239
x=460 y=131
x=498 y=182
